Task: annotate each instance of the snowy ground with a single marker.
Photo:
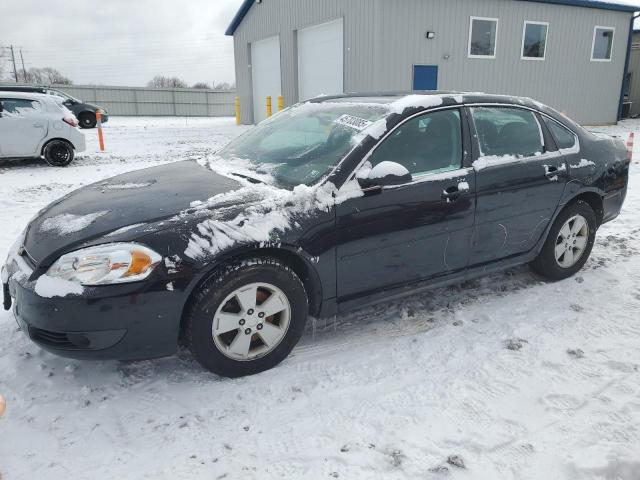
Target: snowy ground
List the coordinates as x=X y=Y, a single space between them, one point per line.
x=519 y=378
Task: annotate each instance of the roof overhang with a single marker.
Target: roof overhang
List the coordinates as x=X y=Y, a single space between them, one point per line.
x=240 y=14
x=618 y=7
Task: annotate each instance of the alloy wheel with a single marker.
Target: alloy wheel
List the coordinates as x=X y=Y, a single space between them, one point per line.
x=251 y=321
x=571 y=241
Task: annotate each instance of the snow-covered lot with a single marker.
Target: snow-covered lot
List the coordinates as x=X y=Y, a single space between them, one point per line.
x=508 y=377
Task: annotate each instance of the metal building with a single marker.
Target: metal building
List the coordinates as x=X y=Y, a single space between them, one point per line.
x=570 y=54
x=634 y=76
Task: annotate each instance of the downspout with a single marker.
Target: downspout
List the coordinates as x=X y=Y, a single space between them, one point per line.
x=626 y=64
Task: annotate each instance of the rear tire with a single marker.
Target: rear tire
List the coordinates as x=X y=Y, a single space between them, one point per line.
x=58 y=153
x=87 y=120
x=234 y=340
x=569 y=243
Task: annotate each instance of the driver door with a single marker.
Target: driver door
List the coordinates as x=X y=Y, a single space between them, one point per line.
x=398 y=235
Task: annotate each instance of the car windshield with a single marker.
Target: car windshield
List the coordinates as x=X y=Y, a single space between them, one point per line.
x=303 y=143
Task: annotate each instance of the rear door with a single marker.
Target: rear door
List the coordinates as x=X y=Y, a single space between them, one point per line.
x=23 y=126
x=417 y=231
x=520 y=177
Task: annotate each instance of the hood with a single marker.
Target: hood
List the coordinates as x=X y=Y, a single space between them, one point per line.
x=140 y=197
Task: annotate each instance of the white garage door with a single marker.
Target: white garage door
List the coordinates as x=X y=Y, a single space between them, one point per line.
x=320 y=60
x=265 y=75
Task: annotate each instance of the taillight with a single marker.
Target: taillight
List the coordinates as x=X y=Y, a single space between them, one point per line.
x=70 y=121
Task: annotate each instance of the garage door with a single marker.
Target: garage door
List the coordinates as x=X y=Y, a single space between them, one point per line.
x=320 y=60
x=265 y=75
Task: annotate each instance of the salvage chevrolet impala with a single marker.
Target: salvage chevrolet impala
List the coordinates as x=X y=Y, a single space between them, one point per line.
x=328 y=206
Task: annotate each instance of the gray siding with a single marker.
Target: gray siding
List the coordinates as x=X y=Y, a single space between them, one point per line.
x=634 y=69
x=385 y=38
x=153 y=102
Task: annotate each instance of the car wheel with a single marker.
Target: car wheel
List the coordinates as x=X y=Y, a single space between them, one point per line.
x=569 y=242
x=87 y=120
x=58 y=153
x=247 y=317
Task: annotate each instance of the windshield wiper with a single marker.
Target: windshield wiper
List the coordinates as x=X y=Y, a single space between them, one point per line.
x=246 y=177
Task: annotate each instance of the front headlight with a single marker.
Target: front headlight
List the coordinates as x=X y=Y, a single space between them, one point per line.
x=106 y=264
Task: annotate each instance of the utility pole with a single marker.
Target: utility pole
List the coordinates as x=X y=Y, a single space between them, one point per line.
x=24 y=70
x=13 y=59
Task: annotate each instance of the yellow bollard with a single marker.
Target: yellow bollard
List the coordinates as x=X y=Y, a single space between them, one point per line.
x=269 y=112
x=237 y=110
x=280 y=103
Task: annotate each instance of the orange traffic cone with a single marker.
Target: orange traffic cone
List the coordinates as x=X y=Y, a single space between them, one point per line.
x=630 y=146
x=3 y=405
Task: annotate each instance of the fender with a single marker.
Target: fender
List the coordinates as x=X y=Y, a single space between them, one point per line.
x=302 y=262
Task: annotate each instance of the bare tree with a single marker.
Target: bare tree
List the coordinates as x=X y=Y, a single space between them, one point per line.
x=160 y=81
x=224 y=86
x=201 y=86
x=46 y=76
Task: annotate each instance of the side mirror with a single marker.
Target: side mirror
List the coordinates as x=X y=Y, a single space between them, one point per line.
x=385 y=174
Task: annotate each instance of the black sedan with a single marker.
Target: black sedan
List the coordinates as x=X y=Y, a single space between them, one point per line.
x=328 y=206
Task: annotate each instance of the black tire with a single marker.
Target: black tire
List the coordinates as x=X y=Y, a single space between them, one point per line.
x=546 y=264
x=58 y=153
x=87 y=120
x=198 y=332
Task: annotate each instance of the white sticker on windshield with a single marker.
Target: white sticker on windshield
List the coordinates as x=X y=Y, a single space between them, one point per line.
x=350 y=121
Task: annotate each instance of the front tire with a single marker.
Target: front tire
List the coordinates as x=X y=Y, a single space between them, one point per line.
x=247 y=317
x=569 y=242
x=58 y=153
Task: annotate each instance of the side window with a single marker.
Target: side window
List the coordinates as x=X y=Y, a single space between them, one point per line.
x=18 y=107
x=564 y=138
x=483 y=34
x=507 y=131
x=602 y=44
x=430 y=143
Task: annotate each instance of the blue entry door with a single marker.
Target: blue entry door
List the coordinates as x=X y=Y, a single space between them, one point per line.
x=425 y=77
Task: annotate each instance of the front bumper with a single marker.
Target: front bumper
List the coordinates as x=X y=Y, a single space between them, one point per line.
x=124 y=322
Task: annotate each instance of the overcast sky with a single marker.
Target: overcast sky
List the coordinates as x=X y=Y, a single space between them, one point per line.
x=126 y=42
x=123 y=42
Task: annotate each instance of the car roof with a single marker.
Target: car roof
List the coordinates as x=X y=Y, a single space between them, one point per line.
x=430 y=99
x=27 y=95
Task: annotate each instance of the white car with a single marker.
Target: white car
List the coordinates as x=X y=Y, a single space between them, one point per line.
x=33 y=125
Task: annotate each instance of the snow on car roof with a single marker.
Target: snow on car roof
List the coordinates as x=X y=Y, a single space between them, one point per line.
x=28 y=95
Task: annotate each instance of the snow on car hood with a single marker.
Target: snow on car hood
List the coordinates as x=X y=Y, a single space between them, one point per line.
x=114 y=205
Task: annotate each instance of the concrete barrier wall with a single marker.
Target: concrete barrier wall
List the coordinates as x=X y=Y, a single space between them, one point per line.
x=135 y=101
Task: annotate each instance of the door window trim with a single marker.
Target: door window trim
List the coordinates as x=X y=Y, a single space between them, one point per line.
x=466 y=148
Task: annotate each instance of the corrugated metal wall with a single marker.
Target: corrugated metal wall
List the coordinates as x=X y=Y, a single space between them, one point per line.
x=634 y=69
x=154 y=102
x=385 y=38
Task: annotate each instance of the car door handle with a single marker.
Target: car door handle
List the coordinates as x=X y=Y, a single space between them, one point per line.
x=553 y=172
x=454 y=192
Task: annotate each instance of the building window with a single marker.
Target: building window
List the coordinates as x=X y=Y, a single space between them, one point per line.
x=483 y=36
x=602 y=44
x=534 y=40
